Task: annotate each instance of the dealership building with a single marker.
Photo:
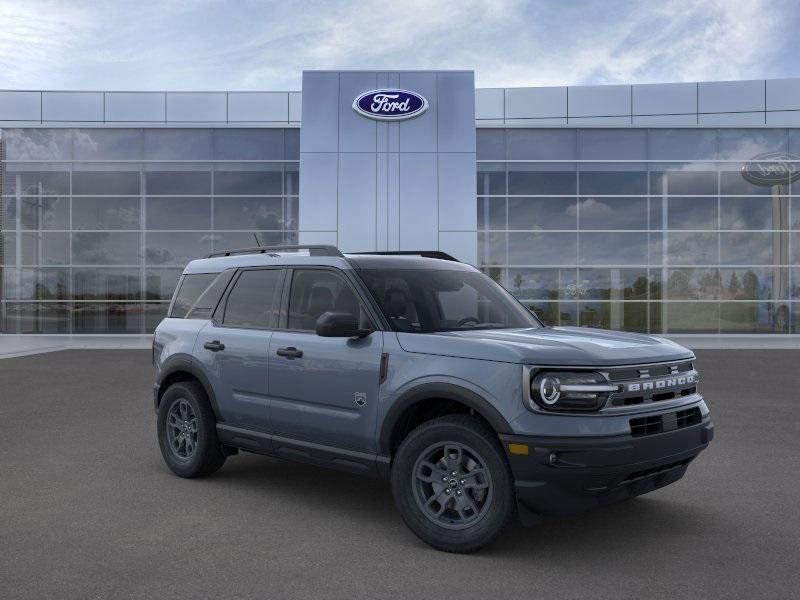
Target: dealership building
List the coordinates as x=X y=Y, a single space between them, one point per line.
x=661 y=208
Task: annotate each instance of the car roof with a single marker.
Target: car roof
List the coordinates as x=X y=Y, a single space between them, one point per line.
x=347 y=261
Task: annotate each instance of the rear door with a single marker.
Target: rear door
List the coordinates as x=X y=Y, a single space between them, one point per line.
x=324 y=390
x=233 y=347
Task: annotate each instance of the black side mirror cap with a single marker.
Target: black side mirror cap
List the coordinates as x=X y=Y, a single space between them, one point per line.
x=340 y=324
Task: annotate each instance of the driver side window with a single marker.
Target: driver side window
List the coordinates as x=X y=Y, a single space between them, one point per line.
x=317 y=291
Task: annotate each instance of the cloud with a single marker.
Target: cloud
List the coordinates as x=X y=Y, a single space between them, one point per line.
x=215 y=44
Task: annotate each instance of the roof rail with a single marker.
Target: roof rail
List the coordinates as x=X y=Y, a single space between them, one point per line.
x=423 y=253
x=313 y=250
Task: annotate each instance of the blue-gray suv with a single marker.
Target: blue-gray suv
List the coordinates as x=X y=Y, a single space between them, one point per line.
x=421 y=369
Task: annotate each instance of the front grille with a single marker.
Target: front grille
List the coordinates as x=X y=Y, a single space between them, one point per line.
x=636 y=475
x=651 y=381
x=651 y=425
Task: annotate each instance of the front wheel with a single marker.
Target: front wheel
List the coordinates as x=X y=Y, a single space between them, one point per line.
x=187 y=432
x=452 y=484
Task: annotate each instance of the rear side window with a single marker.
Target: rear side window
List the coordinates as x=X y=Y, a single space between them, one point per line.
x=254 y=300
x=191 y=287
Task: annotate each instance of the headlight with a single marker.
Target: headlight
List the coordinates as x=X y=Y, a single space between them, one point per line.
x=568 y=390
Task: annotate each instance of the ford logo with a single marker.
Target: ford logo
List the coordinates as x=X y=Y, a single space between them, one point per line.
x=772 y=168
x=390 y=105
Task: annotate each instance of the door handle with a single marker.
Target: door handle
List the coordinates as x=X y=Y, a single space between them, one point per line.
x=214 y=346
x=290 y=352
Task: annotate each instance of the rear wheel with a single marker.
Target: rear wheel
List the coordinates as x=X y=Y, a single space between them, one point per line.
x=452 y=484
x=187 y=433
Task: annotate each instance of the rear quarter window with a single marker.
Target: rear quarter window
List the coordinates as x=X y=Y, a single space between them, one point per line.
x=198 y=294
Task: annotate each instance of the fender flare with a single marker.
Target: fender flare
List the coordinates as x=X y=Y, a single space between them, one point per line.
x=185 y=364
x=446 y=391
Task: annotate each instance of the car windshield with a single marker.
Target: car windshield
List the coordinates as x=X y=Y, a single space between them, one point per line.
x=428 y=300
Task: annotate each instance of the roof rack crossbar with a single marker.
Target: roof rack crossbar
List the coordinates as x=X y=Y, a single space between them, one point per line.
x=313 y=250
x=423 y=253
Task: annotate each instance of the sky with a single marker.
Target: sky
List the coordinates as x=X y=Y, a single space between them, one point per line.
x=265 y=45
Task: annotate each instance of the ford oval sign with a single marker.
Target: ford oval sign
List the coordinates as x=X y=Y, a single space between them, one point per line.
x=390 y=105
x=772 y=168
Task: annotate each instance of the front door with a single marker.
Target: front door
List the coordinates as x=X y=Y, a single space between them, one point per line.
x=324 y=390
x=233 y=350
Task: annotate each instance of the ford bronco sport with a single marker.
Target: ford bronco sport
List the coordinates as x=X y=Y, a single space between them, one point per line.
x=420 y=369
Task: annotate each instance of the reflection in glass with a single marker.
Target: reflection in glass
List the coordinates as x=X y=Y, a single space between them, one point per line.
x=493 y=248
x=612 y=213
x=542 y=284
x=103 y=248
x=94 y=183
x=46 y=248
x=101 y=317
x=541 y=144
x=248 y=213
x=178 y=183
x=686 y=213
x=241 y=182
x=613 y=249
x=692 y=248
x=248 y=144
x=542 y=248
x=174 y=212
x=44 y=212
x=105 y=284
x=492 y=213
x=755 y=283
x=35 y=317
x=176 y=248
x=522 y=182
x=629 y=183
x=754 y=317
x=754 y=248
x=757 y=212
x=555 y=314
x=628 y=316
x=612 y=284
x=231 y=240
x=160 y=283
x=542 y=213
x=491 y=179
x=97 y=212
x=690 y=317
x=677 y=182
x=693 y=284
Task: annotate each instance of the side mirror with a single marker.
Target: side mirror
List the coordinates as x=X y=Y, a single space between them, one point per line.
x=340 y=324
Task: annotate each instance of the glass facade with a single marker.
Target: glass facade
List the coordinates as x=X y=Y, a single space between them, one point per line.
x=97 y=224
x=650 y=230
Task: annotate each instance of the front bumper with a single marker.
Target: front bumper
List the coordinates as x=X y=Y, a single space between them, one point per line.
x=568 y=475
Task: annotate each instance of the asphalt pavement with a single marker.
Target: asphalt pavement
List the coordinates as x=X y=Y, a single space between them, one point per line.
x=88 y=509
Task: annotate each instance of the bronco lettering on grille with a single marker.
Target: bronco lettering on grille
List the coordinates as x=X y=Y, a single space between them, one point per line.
x=660 y=384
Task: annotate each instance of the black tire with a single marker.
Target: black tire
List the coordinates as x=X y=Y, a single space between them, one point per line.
x=206 y=455
x=418 y=484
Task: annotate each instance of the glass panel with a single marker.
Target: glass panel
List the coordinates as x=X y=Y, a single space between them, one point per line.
x=248 y=213
x=491 y=179
x=612 y=144
x=103 y=248
x=542 y=248
x=154 y=313
x=613 y=249
x=542 y=284
x=108 y=144
x=754 y=317
x=44 y=212
x=691 y=317
x=692 y=248
x=497 y=274
x=8 y=248
x=174 y=212
x=106 y=284
x=8 y=213
x=177 y=183
x=732 y=182
x=314 y=292
x=105 y=213
x=674 y=181
x=693 y=284
x=291 y=179
x=291 y=142
x=754 y=283
x=36 y=284
x=542 y=213
x=795 y=221
x=491 y=213
x=51 y=248
x=249 y=183
x=32 y=317
x=178 y=144
x=248 y=144
x=43 y=183
x=492 y=248
x=160 y=283
x=555 y=313
x=254 y=300
x=794 y=289
x=753 y=248
x=735 y=143
x=754 y=213
x=38 y=144
x=628 y=316
x=541 y=144
x=101 y=317
x=176 y=248
x=248 y=239
x=541 y=180
x=612 y=284
x=612 y=213
x=685 y=213
x=98 y=183
x=491 y=144
x=291 y=213
x=682 y=144
x=627 y=183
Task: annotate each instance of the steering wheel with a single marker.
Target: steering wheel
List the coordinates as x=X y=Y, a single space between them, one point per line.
x=466 y=320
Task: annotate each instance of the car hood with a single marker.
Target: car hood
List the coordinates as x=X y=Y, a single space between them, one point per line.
x=547 y=346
